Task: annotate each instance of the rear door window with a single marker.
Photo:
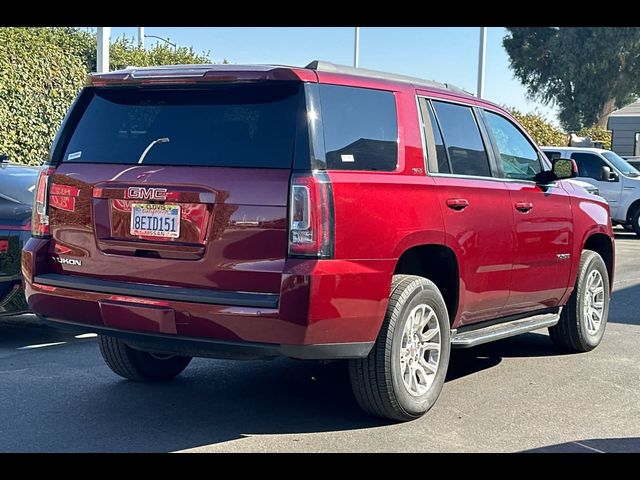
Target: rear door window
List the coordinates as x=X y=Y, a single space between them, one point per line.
x=251 y=125
x=360 y=128
x=462 y=139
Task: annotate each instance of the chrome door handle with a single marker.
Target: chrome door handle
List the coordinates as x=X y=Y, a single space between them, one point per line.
x=524 y=206
x=457 y=203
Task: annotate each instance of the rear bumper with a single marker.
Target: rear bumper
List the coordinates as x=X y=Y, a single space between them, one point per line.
x=158 y=292
x=202 y=347
x=325 y=307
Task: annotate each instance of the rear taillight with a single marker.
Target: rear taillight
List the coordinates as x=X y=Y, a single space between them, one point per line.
x=311 y=216
x=40 y=215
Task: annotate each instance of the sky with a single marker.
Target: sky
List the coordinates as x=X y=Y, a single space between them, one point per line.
x=444 y=54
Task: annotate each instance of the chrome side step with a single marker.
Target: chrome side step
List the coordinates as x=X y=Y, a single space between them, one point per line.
x=503 y=330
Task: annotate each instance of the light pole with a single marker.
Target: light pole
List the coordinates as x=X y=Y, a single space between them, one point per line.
x=163 y=39
x=102 y=50
x=141 y=38
x=482 y=57
x=356 y=48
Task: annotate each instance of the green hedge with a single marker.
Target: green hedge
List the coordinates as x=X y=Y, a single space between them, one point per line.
x=41 y=72
x=597 y=134
x=543 y=132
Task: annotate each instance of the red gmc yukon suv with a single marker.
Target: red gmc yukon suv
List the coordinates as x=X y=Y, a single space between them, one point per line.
x=322 y=212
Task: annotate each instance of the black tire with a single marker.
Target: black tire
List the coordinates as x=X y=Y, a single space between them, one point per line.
x=377 y=380
x=635 y=221
x=138 y=365
x=571 y=331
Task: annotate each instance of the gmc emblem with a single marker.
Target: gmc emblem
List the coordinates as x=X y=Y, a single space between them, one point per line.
x=143 y=193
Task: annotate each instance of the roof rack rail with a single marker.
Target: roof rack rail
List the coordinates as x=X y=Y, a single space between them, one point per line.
x=322 y=66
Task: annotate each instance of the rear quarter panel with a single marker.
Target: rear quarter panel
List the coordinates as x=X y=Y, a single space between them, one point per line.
x=378 y=215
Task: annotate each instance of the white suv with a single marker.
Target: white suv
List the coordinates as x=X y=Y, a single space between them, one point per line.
x=617 y=181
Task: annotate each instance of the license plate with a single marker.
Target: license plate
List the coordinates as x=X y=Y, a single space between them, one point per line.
x=154 y=220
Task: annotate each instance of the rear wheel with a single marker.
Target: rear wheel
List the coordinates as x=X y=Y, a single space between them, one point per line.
x=635 y=221
x=584 y=318
x=403 y=375
x=138 y=365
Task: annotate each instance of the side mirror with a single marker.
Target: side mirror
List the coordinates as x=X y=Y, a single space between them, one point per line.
x=606 y=175
x=564 y=168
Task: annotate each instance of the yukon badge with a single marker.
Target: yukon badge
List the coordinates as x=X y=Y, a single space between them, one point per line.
x=143 y=193
x=68 y=261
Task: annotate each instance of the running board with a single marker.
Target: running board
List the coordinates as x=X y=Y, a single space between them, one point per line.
x=503 y=330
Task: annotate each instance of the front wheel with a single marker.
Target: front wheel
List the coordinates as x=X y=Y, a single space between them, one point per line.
x=584 y=318
x=138 y=365
x=403 y=375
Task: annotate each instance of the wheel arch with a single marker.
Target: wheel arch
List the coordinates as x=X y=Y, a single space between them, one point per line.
x=631 y=210
x=603 y=246
x=439 y=264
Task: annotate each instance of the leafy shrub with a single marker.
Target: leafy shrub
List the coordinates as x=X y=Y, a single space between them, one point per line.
x=597 y=134
x=41 y=71
x=542 y=131
x=38 y=81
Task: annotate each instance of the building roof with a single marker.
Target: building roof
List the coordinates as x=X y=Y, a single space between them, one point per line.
x=631 y=110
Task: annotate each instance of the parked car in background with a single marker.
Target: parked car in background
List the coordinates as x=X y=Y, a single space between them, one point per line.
x=322 y=213
x=17 y=183
x=616 y=179
x=592 y=189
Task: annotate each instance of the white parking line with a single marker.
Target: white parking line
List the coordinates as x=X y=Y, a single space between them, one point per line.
x=30 y=347
x=86 y=335
x=588 y=447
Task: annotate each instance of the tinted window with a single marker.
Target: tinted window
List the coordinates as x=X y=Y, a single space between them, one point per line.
x=462 y=140
x=360 y=128
x=18 y=183
x=234 y=125
x=551 y=155
x=518 y=157
x=441 y=153
x=589 y=165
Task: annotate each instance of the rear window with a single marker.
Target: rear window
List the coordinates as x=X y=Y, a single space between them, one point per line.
x=251 y=125
x=360 y=128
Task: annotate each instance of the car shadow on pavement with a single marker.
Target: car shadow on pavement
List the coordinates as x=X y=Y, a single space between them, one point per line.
x=23 y=330
x=64 y=398
x=468 y=361
x=595 y=445
x=624 y=305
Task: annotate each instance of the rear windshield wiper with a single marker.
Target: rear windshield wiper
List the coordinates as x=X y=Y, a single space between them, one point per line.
x=150 y=146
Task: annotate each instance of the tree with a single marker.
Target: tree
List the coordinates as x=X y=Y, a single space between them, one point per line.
x=587 y=71
x=41 y=71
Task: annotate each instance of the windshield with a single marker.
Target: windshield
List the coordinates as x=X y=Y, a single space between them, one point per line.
x=621 y=164
x=238 y=125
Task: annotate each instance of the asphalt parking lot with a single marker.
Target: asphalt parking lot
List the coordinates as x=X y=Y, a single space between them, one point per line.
x=519 y=394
